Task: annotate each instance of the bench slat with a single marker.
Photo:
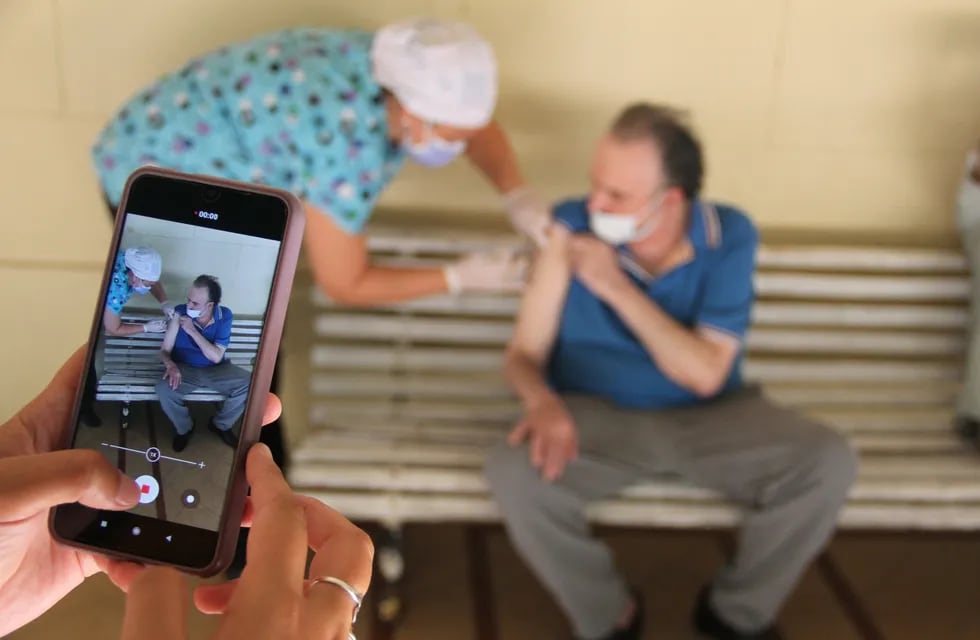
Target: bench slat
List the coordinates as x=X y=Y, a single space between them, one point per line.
x=953 y=288
x=439 y=240
x=415 y=358
x=336 y=474
x=397 y=508
x=492 y=387
x=361 y=414
x=493 y=332
x=767 y=312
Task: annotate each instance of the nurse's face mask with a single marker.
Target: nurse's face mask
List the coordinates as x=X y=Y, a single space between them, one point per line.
x=433 y=151
x=621 y=228
x=140 y=287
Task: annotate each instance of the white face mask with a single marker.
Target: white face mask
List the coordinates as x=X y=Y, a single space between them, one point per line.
x=621 y=228
x=194 y=313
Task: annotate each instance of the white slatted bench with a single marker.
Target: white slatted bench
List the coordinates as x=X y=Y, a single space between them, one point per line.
x=407 y=399
x=131 y=366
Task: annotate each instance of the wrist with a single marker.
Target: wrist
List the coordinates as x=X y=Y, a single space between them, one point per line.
x=539 y=397
x=512 y=197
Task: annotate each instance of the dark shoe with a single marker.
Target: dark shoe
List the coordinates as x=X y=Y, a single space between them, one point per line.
x=226 y=435
x=635 y=630
x=710 y=625
x=967 y=427
x=180 y=441
x=90 y=418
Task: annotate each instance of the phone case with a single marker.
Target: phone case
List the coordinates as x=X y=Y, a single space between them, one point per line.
x=267 y=352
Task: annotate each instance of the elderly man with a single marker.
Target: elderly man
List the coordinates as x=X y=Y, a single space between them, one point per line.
x=193 y=355
x=968 y=222
x=626 y=357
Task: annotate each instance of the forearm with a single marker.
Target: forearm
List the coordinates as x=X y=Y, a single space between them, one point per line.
x=166 y=358
x=380 y=285
x=688 y=359
x=526 y=378
x=158 y=292
x=490 y=151
x=208 y=348
x=124 y=330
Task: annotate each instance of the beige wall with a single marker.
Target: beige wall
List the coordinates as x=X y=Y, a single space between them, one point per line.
x=242 y=264
x=816 y=115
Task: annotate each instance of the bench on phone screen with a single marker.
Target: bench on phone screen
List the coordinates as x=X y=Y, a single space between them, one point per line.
x=407 y=399
x=131 y=365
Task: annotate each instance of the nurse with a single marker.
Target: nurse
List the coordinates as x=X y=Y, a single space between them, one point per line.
x=331 y=115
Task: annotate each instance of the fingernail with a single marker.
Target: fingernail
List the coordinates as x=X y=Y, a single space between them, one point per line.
x=128 y=493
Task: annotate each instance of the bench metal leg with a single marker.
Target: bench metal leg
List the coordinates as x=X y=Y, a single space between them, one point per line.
x=481 y=587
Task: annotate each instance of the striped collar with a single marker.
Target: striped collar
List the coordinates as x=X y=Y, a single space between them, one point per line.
x=703 y=232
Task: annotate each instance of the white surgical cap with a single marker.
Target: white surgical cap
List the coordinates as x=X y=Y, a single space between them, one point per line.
x=443 y=72
x=144 y=262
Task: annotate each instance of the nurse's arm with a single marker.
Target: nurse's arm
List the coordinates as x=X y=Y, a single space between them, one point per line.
x=158 y=292
x=114 y=326
x=342 y=267
x=537 y=321
x=491 y=152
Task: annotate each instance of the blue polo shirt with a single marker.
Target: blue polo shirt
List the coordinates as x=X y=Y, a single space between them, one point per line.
x=597 y=354
x=218 y=332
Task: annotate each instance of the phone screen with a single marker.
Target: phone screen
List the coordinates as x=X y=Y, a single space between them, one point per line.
x=167 y=386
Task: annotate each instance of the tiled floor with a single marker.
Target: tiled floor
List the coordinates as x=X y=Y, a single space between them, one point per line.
x=914 y=588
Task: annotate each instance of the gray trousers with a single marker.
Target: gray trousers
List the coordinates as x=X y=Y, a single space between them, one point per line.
x=225 y=378
x=789 y=474
x=968 y=404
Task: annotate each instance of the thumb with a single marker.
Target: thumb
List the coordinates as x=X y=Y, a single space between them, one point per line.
x=32 y=484
x=156 y=606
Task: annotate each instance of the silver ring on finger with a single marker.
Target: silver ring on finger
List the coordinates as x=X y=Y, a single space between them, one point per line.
x=356 y=597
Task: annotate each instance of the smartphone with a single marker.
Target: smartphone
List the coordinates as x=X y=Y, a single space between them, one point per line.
x=173 y=394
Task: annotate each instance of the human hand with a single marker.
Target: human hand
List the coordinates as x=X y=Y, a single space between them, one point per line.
x=155 y=326
x=271 y=599
x=528 y=213
x=187 y=324
x=168 y=308
x=35 y=571
x=171 y=374
x=495 y=270
x=553 y=436
x=596 y=264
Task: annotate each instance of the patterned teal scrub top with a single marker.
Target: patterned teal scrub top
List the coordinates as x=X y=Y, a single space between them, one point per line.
x=296 y=109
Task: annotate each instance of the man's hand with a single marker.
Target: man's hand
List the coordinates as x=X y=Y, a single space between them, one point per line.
x=187 y=324
x=596 y=264
x=171 y=374
x=168 y=308
x=553 y=436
